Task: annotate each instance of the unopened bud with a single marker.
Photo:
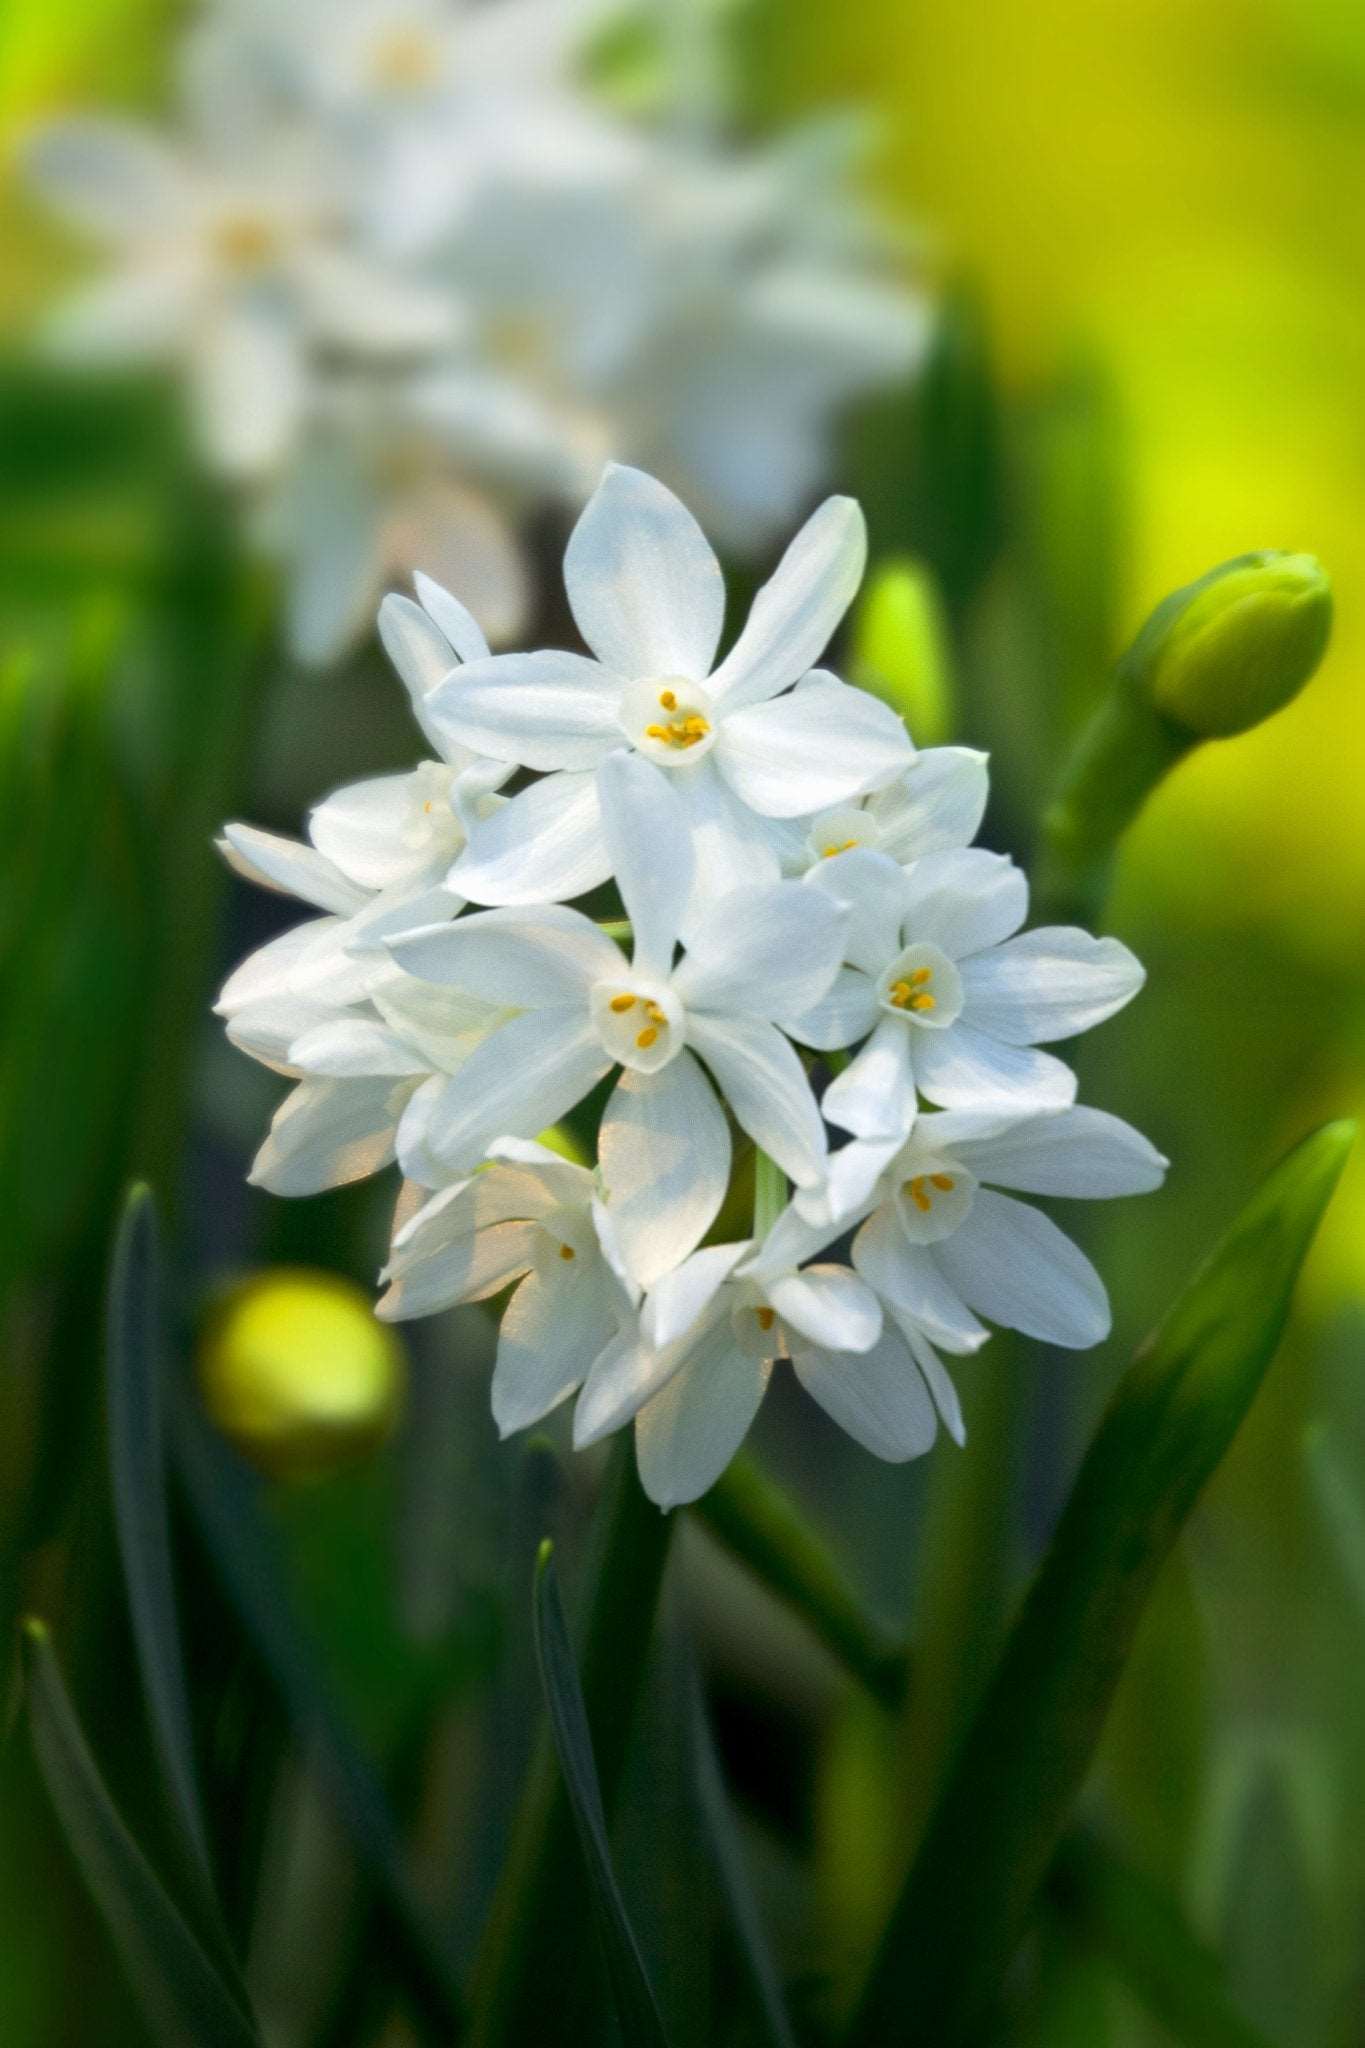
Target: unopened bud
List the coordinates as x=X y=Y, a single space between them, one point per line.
x=901 y=652
x=298 y=1374
x=1227 y=652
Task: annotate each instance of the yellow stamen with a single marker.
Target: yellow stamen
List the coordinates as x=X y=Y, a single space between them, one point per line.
x=621 y=1004
x=658 y=732
x=900 y=994
x=566 y=1251
x=686 y=730
x=922 y=1201
x=828 y=852
x=766 y=1318
x=655 y=1014
x=920 y=976
x=944 y=1182
x=644 y=1039
x=923 y=1003
x=668 y=699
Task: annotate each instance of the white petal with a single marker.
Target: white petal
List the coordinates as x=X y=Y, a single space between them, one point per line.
x=354 y=1046
x=520 y=1080
x=368 y=829
x=546 y=843
x=846 y=1013
x=629 y=1372
x=467 y=1268
x=1049 y=984
x=265 y=1031
x=937 y=1379
x=525 y=959
x=680 y=1299
x=664 y=1152
x=795 y=613
x=289 y=865
x=418 y=650
x=937 y=805
x=875 y=892
x=765 y=1085
x=829 y=1306
x=913 y=1285
x=764 y=952
x=457 y=623
x=686 y=1436
x=821 y=744
x=648 y=841
x=874 y=1097
x=849 y=1188
x=548 y=710
x=310 y=961
x=878 y=1396
x=399 y=908
x=553 y=1329
x=964 y=901
x=330 y=519
x=112 y=178
x=730 y=845
x=134 y=315
x=443 y=1024
x=1013 y=1265
x=248 y=390
x=326 y=1134
x=644 y=586
x=964 y=1069
x=1080 y=1152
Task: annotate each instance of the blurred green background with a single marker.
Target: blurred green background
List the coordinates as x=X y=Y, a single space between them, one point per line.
x=1144 y=219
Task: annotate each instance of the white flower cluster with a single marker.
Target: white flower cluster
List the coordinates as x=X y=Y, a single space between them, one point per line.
x=796 y=881
x=422 y=281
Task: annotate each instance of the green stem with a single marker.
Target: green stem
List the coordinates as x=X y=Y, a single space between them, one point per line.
x=618 y=928
x=770 y=1194
x=529 y=1976
x=763 y=1528
x=1118 y=759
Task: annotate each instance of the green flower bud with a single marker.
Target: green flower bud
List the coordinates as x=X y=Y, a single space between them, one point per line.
x=1221 y=655
x=297 y=1372
x=901 y=652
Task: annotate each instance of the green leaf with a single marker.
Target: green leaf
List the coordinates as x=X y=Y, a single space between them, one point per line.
x=773 y=2025
x=634 y=1998
x=187 y=2002
x=1031 y=1742
x=1144 y=1933
x=136 y=1424
x=223 y=1499
x=757 y=1522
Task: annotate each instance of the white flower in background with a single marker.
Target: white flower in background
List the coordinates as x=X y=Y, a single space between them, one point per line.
x=740 y=747
x=583 y=1010
x=537 y=1221
x=228 y=259
x=953 y=1005
x=935 y=807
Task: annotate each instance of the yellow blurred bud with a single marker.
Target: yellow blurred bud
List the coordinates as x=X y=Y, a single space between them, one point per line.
x=297 y=1372
x=901 y=652
x=1227 y=652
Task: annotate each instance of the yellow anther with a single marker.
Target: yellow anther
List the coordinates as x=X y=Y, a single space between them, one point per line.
x=428 y=807
x=659 y=732
x=828 y=852
x=696 y=727
x=766 y=1318
x=655 y=1014
x=922 y=1200
x=644 y=1039
x=621 y=1004
x=686 y=730
x=668 y=699
x=920 y=976
x=923 y=1003
x=899 y=994
x=566 y=1251
x=944 y=1182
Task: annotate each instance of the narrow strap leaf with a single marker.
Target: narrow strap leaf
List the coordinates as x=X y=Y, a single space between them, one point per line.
x=955 y=1926
x=1145 y=1935
x=631 y=1989
x=741 y=1907
x=223 y=1499
x=187 y=2002
x=763 y=1527
x=136 y=1424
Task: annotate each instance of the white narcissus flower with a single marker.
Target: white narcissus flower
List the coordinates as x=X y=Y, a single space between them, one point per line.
x=533 y=1219
x=229 y=259
x=584 y=1010
x=942 y=1245
x=951 y=1003
x=739 y=745
x=935 y=807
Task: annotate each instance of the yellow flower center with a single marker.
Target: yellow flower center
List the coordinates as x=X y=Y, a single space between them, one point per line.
x=913 y=992
x=917 y=1189
x=681 y=729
